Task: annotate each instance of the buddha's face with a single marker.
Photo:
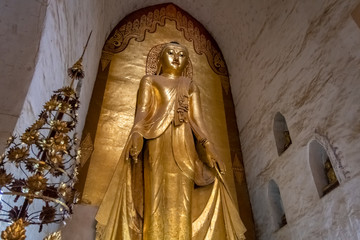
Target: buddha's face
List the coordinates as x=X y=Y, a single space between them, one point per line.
x=174 y=59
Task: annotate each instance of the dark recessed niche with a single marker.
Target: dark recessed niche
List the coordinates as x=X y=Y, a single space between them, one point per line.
x=281 y=133
x=322 y=169
x=277 y=207
x=356 y=15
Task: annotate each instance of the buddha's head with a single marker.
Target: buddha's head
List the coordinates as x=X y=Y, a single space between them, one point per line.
x=173 y=59
x=328 y=165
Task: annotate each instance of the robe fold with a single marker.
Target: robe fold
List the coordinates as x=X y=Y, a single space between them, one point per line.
x=152 y=199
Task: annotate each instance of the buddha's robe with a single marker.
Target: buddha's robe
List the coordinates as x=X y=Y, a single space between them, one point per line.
x=152 y=199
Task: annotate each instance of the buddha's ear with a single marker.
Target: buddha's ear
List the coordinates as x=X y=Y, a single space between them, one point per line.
x=158 y=70
x=186 y=68
x=184 y=72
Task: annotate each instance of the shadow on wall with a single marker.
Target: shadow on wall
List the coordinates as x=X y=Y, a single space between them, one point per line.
x=276 y=204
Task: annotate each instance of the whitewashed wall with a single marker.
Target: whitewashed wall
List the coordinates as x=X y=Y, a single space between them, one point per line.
x=20 y=31
x=66 y=27
x=300 y=58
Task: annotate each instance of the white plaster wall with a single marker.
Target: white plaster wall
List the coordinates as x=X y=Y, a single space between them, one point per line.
x=20 y=31
x=300 y=58
x=67 y=25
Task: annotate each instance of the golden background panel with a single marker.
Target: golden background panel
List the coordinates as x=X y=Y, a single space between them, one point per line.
x=112 y=106
x=118 y=108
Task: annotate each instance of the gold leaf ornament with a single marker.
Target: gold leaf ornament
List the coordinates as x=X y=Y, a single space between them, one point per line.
x=16 y=231
x=10 y=141
x=55 y=144
x=51 y=105
x=38 y=124
x=60 y=126
x=64 y=107
x=17 y=154
x=5 y=178
x=54 y=236
x=64 y=190
x=61 y=142
x=30 y=136
x=36 y=183
x=56 y=159
x=67 y=91
x=76 y=71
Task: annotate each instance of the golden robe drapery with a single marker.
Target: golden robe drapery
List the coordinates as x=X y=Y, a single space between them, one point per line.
x=152 y=199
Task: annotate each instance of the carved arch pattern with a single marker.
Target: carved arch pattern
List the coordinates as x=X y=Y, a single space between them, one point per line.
x=335 y=155
x=147 y=19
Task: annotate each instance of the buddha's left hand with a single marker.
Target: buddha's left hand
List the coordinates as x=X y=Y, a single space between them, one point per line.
x=135 y=146
x=212 y=159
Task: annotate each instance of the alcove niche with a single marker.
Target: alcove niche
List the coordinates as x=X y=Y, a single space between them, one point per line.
x=276 y=204
x=281 y=133
x=123 y=63
x=321 y=168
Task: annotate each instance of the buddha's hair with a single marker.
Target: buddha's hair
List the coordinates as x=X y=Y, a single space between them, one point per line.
x=172 y=42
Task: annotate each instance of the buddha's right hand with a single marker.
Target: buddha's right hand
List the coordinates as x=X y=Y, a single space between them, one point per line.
x=135 y=147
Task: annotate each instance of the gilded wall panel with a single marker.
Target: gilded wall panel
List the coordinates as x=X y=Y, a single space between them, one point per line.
x=112 y=108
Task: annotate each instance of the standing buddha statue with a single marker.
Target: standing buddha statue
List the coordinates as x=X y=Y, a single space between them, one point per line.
x=150 y=197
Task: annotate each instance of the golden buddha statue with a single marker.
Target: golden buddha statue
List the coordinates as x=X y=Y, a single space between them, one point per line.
x=150 y=198
x=287 y=140
x=330 y=173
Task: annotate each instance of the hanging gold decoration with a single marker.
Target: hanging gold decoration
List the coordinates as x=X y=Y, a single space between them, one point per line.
x=16 y=231
x=54 y=236
x=47 y=156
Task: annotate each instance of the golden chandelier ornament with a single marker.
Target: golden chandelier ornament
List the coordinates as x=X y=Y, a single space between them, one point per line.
x=54 y=236
x=15 y=231
x=46 y=158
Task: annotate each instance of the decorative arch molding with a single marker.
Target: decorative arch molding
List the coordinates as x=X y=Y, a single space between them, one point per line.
x=318 y=160
x=334 y=155
x=136 y=25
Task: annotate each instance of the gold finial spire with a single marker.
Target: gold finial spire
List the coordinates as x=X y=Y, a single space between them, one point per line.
x=76 y=71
